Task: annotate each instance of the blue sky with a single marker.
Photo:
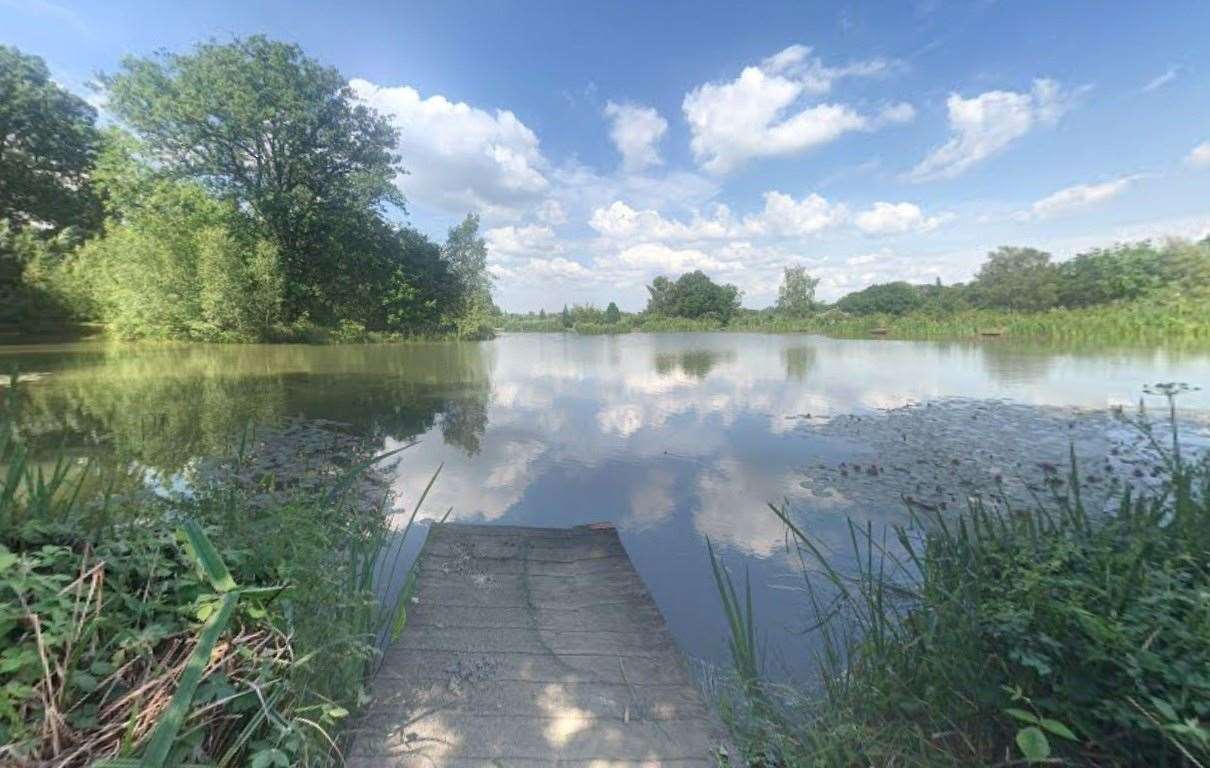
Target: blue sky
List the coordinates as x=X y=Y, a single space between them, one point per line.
x=605 y=143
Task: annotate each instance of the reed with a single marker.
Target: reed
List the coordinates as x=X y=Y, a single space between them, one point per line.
x=1063 y=634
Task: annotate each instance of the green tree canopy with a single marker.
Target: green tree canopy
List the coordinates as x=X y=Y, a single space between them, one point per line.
x=284 y=137
x=612 y=313
x=796 y=295
x=1016 y=278
x=47 y=146
x=693 y=295
x=888 y=298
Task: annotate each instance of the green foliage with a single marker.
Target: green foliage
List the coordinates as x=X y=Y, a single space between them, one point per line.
x=179 y=265
x=693 y=295
x=466 y=253
x=796 y=294
x=612 y=314
x=1125 y=272
x=47 y=146
x=256 y=621
x=882 y=298
x=260 y=123
x=247 y=205
x=1051 y=633
x=1016 y=278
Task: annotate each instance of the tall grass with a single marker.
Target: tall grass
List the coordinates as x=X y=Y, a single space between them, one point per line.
x=1060 y=634
x=216 y=627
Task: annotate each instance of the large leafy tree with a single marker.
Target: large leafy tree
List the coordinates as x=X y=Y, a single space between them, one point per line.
x=796 y=294
x=693 y=295
x=1016 y=278
x=275 y=131
x=890 y=298
x=48 y=142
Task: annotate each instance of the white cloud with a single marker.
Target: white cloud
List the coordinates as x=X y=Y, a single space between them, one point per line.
x=897 y=219
x=786 y=217
x=1076 y=198
x=1161 y=80
x=660 y=258
x=782 y=216
x=1199 y=157
x=636 y=131
x=511 y=242
x=753 y=116
x=460 y=157
x=985 y=125
x=551 y=212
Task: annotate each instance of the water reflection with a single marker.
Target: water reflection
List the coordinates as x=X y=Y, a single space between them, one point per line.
x=798 y=361
x=674 y=438
x=163 y=405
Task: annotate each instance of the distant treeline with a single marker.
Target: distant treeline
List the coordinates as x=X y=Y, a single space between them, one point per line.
x=1136 y=289
x=243 y=198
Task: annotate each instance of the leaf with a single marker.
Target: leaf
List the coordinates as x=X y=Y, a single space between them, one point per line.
x=169 y=723
x=7 y=558
x=1033 y=744
x=208 y=559
x=1165 y=709
x=1022 y=715
x=336 y=712
x=1057 y=728
x=268 y=757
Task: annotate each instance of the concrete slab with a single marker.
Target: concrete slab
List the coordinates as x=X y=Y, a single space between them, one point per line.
x=533 y=647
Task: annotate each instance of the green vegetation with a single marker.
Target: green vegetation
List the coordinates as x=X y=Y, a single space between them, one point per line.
x=692 y=295
x=249 y=203
x=1055 y=634
x=235 y=625
x=1132 y=292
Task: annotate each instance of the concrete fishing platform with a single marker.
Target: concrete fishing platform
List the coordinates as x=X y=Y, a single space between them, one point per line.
x=533 y=646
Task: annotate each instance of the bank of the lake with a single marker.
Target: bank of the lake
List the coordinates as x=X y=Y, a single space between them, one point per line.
x=1175 y=320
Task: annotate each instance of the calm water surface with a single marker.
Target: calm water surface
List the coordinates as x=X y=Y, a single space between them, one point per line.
x=672 y=437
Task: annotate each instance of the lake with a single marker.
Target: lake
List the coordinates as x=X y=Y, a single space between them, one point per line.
x=672 y=437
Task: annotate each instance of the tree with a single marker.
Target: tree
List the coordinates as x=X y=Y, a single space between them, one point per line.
x=887 y=298
x=283 y=137
x=796 y=295
x=693 y=295
x=1104 y=275
x=1016 y=278
x=566 y=317
x=612 y=313
x=47 y=146
x=466 y=253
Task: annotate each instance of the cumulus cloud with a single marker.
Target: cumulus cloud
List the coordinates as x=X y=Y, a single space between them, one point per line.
x=761 y=113
x=511 y=242
x=985 y=125
x=636 y=130
x=1199 y=157
x=897 y=219
x=1076 y=198
x=782 y=216
x=786 y=217
x=460 y=157
x=661 y=258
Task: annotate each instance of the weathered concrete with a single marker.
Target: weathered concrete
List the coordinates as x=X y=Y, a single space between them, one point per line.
x=533 y=647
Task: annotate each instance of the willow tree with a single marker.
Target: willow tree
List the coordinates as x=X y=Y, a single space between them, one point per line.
x=280 y=135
